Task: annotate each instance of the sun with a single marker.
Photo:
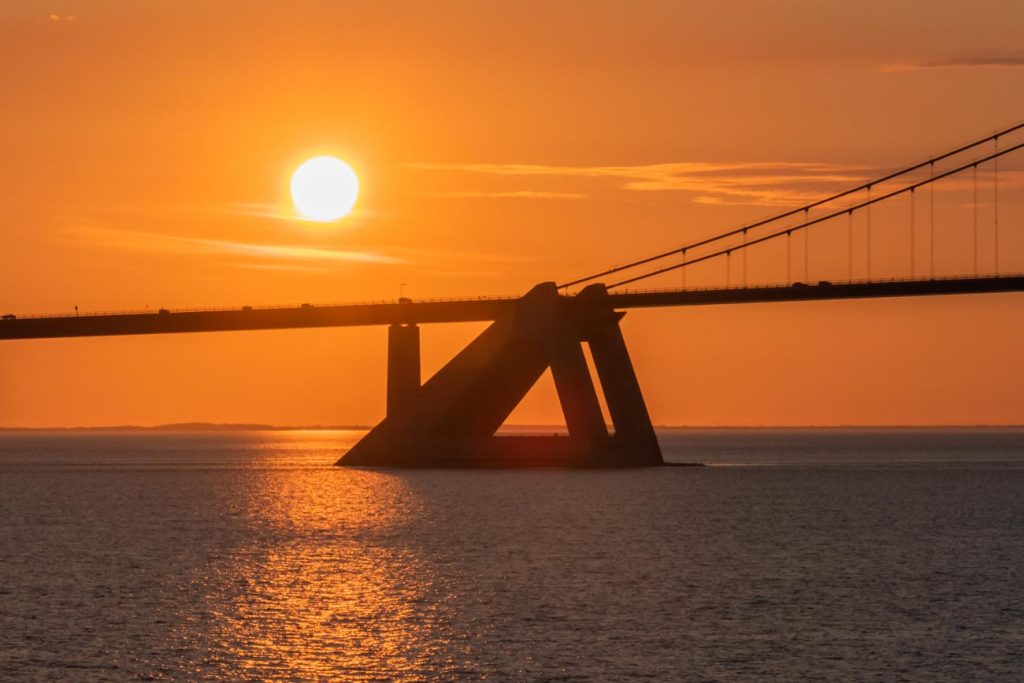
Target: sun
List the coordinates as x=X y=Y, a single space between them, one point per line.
x=324 y=189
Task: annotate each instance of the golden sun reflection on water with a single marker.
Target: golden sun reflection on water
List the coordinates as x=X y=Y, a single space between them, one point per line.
x=326 y=586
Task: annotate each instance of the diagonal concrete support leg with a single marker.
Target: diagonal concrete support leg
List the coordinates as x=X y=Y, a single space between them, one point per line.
x=622 y=393
x=575 y=386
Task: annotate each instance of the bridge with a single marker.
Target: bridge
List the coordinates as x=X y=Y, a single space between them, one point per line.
x=480 y=309
x=451 y=419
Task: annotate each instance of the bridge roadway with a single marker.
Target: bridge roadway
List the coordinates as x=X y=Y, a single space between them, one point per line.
x=470 y=310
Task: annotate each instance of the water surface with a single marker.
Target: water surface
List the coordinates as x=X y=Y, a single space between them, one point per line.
x=836 y=554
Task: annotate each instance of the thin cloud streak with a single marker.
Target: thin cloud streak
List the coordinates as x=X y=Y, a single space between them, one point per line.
x=158 y=242
x=749 y=183
x=283 y=251
x=263 y=211
x=1015 y=61
x=281 y=267
x=514 y=194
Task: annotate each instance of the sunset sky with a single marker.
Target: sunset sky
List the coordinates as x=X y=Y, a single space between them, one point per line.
x=147 y=149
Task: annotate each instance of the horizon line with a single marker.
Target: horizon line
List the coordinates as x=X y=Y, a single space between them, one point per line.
x=243 y=426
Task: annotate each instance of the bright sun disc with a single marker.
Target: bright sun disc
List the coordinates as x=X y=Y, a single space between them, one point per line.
x=324 y=189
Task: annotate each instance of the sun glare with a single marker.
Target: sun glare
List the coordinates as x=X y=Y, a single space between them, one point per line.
x=324 y=189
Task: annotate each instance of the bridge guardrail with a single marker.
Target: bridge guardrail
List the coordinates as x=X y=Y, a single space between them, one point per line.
x=442 y=300
x=271 y=307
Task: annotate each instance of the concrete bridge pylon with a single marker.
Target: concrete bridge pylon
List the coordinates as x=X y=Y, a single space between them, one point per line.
x=451 y=420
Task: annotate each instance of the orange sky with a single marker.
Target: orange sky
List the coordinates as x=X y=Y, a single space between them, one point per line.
x=147 y=148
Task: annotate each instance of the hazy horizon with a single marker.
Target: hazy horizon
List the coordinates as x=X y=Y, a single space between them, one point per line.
x=217 y=426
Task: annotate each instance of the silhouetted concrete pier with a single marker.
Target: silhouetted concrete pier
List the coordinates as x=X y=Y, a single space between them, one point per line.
x=452 y=419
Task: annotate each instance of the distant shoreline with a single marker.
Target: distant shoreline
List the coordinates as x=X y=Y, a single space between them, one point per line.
x=186 y=427
x=256 y=427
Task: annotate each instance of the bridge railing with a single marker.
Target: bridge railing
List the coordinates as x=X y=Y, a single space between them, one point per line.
x=455 y=300
x=270 y=307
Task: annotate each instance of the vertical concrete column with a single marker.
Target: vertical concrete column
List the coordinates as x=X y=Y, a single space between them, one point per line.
x=622 y=390
x=403 y=367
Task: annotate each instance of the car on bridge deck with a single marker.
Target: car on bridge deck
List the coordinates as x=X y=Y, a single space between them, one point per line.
x=8 y=316
x=824 y=283
x=306 y=306
x=246 y=308
x=800 y=284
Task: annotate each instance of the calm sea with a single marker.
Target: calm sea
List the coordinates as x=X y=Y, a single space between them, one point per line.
x=832 y=554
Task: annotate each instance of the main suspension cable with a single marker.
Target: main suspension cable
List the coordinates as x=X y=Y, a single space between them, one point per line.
x=821 y=219
x=796 y=211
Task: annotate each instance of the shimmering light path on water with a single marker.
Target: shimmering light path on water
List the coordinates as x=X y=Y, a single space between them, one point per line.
x=891 y=555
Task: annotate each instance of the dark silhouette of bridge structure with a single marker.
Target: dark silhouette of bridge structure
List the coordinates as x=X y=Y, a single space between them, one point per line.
x=452 y=418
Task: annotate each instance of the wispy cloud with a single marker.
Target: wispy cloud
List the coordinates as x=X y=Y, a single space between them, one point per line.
x=1002 y=61
x=281 y=212
x=292 y=252
x=263 y=211
x=281 y=267
x=513 y=194
x=770 y=183
x=130 y=240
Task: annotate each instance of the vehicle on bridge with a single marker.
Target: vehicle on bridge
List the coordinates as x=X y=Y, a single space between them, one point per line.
x=8 y=316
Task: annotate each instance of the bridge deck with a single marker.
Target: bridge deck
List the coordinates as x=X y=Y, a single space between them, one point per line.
x=470 y=310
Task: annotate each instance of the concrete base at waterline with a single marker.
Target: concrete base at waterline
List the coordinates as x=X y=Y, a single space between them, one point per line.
x=501 y=452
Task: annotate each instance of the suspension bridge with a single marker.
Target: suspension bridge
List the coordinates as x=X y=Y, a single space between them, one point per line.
x=883 y=237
